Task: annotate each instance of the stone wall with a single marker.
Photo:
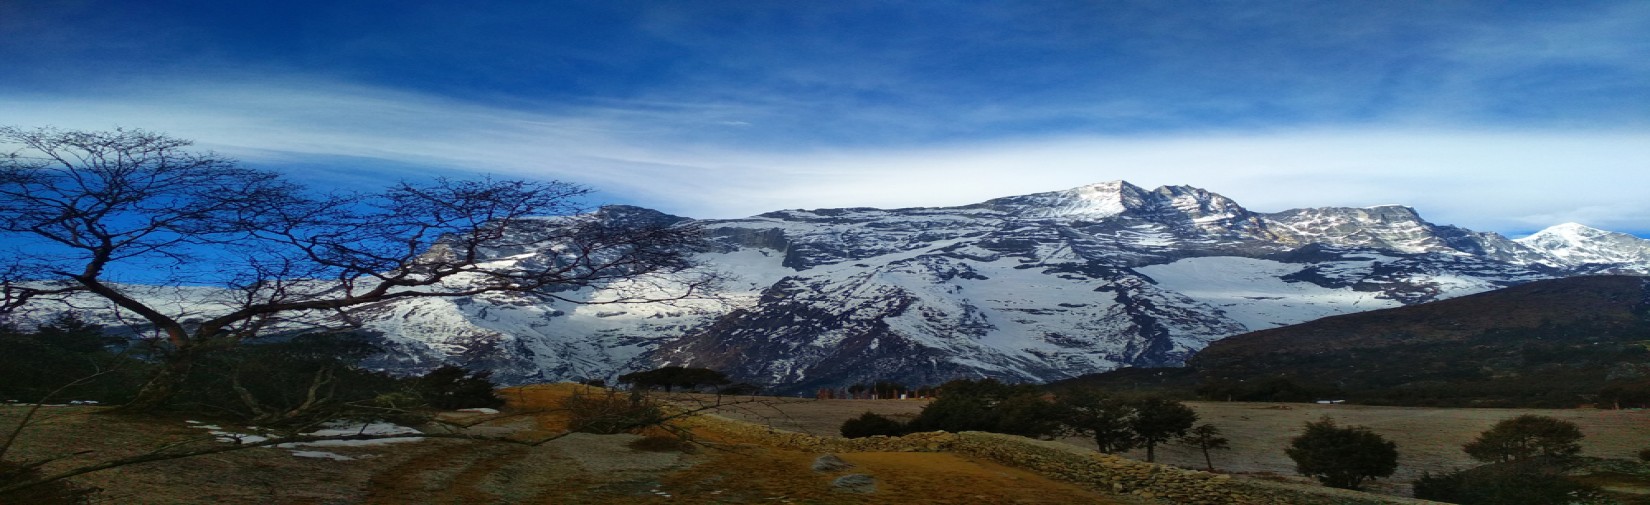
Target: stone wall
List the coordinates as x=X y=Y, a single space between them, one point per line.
x=1065 y=462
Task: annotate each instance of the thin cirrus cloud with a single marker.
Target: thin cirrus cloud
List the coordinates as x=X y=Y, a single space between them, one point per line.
x=1509 y=181
x=1499 y=117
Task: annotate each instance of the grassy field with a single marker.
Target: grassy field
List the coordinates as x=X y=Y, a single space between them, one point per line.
x=646 y=468
x=1429 y=439
x=615 y=469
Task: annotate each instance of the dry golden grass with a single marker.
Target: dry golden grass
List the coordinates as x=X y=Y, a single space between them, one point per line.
x=580 y=468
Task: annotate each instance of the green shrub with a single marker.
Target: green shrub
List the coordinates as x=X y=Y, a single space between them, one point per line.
x=1503 y=484
x=989 y=405
x=451 y=387
x=1524 y=437
x=1090 y=413
x=62 y=352
x=661 y=443
x=1342 y=457
x=872 y=424
x=672 y=377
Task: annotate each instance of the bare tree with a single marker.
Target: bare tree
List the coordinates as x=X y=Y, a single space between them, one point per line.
x=1206 y=437
x=75 y=205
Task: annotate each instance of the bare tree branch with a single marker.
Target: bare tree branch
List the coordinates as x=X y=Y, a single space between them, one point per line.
x=282 y=257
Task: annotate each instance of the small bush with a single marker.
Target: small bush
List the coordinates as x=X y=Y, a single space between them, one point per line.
x=1644 y=455
x=608 y=412
x=1342 y=457
x=660 y=443
x=989 y=405
x=872 y=424
x=451 y=387
x=1503 y=484
x=1524 y=437
x=1444 y=487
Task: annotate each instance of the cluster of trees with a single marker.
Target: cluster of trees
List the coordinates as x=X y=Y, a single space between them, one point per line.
x=672 y=377
x=1525 y=458
x=288 y=382
x=68 y=359
x=886 y=390
x=1115 y=424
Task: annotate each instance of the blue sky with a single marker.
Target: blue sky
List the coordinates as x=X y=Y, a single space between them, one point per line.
x=1498 y=116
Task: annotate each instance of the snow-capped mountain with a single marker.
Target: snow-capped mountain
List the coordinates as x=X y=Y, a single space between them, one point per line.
x=1034 y=287
x=1576 y=245
x=1026 y=288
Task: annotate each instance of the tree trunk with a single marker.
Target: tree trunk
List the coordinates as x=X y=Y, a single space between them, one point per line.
x=1206 y=461
x=163 y=386
x=1151 y=451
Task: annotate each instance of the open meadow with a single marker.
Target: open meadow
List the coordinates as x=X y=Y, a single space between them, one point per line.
x=1429 y=439
x=651 y=467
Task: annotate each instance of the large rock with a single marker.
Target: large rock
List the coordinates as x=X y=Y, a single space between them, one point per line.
x=830 y=463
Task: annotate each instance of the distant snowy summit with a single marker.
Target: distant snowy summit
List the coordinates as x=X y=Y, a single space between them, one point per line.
x=1575 y=244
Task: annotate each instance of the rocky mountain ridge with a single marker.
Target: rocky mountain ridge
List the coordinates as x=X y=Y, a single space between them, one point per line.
x=1034 y=287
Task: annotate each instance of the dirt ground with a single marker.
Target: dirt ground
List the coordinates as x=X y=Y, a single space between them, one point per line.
x=1429 y=439
x=575 y=469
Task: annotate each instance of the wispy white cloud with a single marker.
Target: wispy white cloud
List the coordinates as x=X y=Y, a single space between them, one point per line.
x=647 y=153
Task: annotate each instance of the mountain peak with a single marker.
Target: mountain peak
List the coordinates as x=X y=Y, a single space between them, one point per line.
x=1579 y=244
x=1093 y=201
x=1570 y=229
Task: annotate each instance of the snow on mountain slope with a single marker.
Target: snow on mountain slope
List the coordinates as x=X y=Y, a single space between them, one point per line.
x=1576 y=245
x=1254 y=293
x=1024 y=288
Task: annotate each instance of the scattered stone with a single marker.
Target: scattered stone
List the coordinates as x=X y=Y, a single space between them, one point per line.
x=854 y=483
x=831 y=463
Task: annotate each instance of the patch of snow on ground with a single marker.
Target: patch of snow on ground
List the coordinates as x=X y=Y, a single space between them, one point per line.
x=236 y=438
x=322 y=455
x=1251 y=293
x=480 y=410
x=332 y=429
x=362 y=429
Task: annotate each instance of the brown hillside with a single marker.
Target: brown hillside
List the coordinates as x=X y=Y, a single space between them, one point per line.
x=1602 y=301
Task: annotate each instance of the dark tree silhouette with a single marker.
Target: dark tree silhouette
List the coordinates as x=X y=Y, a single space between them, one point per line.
x=1091 y=413
x=1342 y=457
x=1205 y=437
x=1158 y=420
x=1524 y=437
x=989 y=405
x=284 y=257
x=451 y=387
x=871 y=424
x=671 y=377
